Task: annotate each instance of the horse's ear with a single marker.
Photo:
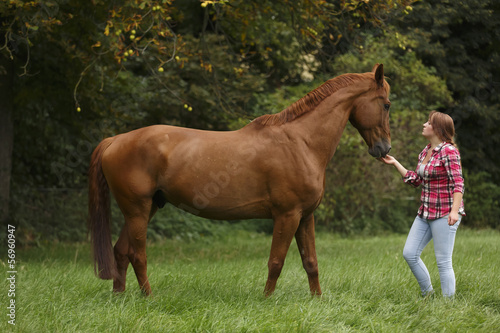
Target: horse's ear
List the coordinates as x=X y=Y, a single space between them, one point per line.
x=379 y=75
x=375 y=67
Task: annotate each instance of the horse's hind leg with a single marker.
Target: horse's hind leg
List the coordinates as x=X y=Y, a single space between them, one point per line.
x=307 y=248
x=137 y=234
x=131 y=245
x=137 y=230
x=122 y=249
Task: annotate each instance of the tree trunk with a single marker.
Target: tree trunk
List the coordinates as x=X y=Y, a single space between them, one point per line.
x=6 y=132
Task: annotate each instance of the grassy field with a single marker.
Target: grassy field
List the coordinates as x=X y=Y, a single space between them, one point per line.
x=216 y=285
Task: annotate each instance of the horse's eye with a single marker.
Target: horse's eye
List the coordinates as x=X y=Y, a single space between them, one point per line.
x=387 y=106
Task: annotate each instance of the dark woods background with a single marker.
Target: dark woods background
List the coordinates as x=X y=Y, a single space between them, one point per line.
x=75 y=72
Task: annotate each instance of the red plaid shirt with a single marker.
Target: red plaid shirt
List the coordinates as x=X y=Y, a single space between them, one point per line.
x=442 y=177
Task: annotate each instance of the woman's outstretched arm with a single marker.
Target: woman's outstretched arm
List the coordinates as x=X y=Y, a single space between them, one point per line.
x=388 y=159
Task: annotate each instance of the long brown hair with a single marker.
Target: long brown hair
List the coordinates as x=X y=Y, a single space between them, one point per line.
x=443 y=126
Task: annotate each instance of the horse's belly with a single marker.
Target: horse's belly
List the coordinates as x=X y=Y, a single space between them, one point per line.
x=214 y=202
x=217 y=192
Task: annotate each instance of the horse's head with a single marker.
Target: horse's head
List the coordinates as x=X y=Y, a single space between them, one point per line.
x=370 y=114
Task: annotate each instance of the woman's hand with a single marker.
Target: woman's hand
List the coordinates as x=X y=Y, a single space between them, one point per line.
x=452 y=218
x=388 y=159
x=457 y=200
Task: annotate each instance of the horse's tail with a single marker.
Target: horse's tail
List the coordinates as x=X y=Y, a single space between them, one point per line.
x=99 y=222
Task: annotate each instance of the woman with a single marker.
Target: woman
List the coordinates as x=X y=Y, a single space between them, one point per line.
x=439 y=171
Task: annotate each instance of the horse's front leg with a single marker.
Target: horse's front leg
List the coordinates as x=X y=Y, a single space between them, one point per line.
x=285 y=226
x=307 y=248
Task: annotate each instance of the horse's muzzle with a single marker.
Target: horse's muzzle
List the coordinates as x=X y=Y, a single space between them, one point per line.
x=380 y=149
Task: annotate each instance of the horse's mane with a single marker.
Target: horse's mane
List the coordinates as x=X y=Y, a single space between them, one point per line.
x=309 y=101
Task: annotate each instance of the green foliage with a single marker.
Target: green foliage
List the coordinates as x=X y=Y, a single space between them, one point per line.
x=46 y=216
x=171 y=222
x=414 y=87
x=482 y=200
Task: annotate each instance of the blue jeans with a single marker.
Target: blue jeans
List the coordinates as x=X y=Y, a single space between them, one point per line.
x=421 y=232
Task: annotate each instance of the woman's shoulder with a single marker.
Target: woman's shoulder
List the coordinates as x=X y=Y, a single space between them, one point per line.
x=450 y=149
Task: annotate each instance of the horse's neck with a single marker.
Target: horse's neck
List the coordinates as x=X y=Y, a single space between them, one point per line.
x=322 y=127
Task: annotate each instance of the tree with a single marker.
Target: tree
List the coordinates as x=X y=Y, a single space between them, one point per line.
x=41 y=46
x=6 y=134
x=19 y=22
x=461 y=40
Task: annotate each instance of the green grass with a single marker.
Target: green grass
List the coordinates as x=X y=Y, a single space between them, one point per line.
x=216 y=285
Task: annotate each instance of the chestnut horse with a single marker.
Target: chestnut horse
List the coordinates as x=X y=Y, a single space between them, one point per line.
x=274 y=168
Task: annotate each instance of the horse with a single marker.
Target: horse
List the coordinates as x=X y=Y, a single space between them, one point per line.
x=272 y=168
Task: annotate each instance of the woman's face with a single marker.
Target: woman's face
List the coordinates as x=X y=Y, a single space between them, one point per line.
x=428 y=131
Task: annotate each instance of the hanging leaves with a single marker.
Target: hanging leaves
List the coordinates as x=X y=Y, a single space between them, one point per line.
x=141 y=26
